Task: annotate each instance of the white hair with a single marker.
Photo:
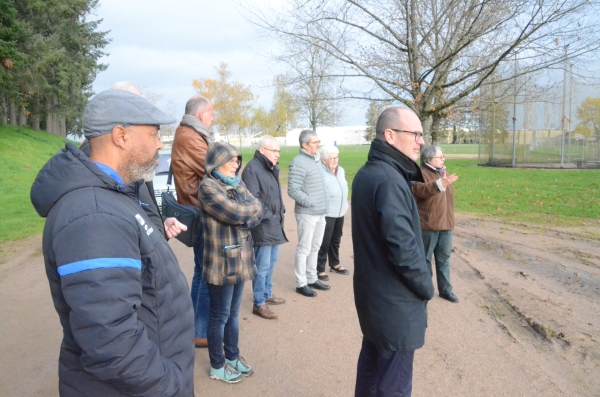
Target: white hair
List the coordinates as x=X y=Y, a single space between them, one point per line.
x=127 y=86
x=326 y=151
x=265 y=140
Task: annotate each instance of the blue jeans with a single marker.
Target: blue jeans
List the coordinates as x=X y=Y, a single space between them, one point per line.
x=438 y=244
x=262 y=286
x=223 y=323
x=383 y=373
x=200 y=298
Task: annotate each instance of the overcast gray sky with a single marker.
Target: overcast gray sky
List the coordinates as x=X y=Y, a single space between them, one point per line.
x=163 y=45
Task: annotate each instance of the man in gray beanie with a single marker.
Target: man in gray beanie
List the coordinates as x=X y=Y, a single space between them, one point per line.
x=123 y=302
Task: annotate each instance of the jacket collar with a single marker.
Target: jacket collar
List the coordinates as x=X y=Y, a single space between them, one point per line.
x=383 y=151
x=261 y=158
x=190 y=121
x=315 y=157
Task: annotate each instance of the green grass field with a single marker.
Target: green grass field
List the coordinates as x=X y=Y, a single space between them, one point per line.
x=22 y=153
x=558 y=197
x=553 y=197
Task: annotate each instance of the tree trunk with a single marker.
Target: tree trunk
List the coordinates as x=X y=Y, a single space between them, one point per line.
x=49 y=121
x=22 y=117
x=426 y=124
x=35 y=122
x=436 y=120
x=3 y=112
x=12 y=113
x=62 y=126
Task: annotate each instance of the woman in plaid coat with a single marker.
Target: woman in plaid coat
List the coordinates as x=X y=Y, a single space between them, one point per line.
x=228 y=212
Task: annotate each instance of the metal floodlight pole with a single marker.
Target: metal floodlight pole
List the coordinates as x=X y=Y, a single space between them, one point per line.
x=562 y=139
x=526 y=104
x=493 y=132
x=570 y=110
x=514 y=153
x=479 y=132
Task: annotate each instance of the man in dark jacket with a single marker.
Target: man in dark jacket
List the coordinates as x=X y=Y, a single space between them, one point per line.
x=391 y=281
x=121 y=297
x=261 y=177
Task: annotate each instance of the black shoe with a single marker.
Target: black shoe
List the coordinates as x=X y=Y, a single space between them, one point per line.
x=319 y=285
x=339 y=270
x=450 y=297
x=306 y=291
x=323 y=278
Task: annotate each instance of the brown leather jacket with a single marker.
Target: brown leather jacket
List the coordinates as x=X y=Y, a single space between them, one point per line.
x=436 y=209
x=187 y=162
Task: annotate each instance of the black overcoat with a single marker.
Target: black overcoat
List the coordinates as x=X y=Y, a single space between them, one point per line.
x=392 y=283
x=262 y=180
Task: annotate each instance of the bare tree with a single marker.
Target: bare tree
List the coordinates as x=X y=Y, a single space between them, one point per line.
x=311 y=76
x=431 y=54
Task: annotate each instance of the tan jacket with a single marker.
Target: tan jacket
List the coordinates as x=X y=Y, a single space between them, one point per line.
x=187 y=162
x=436 y=209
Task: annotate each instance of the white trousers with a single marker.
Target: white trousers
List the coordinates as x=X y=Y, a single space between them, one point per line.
x=310 y=237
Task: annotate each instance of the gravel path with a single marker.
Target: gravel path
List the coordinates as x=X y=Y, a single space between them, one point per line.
x=528 y=323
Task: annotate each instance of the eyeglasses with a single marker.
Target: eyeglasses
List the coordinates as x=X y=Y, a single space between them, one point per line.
x=272 y=150
x=438 y=157
x=314 y=143
x=415 y=133
x=234 y=161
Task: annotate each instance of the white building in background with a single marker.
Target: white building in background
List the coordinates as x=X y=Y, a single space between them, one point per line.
x=350 y=135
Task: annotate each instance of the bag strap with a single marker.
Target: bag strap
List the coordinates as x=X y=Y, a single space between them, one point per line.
x=169 y=178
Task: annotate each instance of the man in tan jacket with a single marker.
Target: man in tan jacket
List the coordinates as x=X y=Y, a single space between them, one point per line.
x=435 y=199
x=192 y=138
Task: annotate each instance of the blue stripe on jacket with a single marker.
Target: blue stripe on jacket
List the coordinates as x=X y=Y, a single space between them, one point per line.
x=98 y=263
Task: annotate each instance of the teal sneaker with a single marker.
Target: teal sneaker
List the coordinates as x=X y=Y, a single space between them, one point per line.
x=227 y=374
x=241 y=366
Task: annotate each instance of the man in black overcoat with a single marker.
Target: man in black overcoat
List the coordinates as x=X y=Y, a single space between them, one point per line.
x=261 y=177
x=392 y=283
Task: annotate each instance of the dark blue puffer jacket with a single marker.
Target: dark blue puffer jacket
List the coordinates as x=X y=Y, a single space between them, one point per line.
x=122 y=300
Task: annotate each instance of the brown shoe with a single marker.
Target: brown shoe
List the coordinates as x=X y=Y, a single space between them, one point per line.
x=264 y=312
x=275 y=301
x=201 y=342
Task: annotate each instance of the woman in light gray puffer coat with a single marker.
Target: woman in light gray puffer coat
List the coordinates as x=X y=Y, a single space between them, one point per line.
x=337 y=189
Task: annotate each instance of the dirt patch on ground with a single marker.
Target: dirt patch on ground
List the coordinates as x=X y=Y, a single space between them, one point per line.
x=528 y=323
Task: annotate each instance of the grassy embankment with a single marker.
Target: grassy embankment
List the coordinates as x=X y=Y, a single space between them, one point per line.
x=22 y=153
x=537 y=196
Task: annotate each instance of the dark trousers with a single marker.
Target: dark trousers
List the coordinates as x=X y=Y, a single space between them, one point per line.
x=383 y=373
x=223 y=323
x=438 y=244
x=200 y=297
x=332 y=237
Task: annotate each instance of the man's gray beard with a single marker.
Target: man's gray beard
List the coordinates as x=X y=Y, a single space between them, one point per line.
x=144 y=171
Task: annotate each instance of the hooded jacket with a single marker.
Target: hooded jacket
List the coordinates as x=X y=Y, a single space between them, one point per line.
x=227 y=216
x=122 y=300
x=306 y=185
x=262 y=180
x=146 y=195
x=392 y=283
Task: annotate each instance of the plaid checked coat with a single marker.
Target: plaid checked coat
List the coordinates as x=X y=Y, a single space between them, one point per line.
x=227 y=216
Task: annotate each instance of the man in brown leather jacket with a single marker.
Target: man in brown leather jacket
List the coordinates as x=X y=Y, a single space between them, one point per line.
x=192 y=138
x=435 y=199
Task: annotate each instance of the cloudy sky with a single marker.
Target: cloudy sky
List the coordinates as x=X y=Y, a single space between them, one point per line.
x=162 y=46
